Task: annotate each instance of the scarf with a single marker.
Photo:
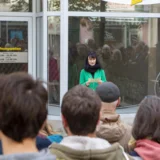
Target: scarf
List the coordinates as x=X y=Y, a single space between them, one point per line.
x=92 y=69
x=148 y=149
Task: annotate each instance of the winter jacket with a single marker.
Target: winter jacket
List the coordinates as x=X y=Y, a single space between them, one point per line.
x=43 y=155
x=85 y=148
x=114 y=130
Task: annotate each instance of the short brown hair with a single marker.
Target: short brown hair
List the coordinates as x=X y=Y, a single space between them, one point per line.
x=81 y=107
x=147 y=120
x=22 y=106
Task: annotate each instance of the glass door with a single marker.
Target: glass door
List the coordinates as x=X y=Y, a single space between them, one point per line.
x=15 y=45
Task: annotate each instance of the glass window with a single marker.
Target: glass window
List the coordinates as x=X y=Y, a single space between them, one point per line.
x=15 y=5
x=127 y=48
x=39 y=47
x=53 y=5
x=39 y=6
x=13 y=46
x=54 y=60
x=102 y=6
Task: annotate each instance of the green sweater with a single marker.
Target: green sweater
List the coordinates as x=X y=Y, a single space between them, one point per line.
x=85 y=76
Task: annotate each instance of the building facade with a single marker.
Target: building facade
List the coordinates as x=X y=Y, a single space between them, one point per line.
x=50 y=39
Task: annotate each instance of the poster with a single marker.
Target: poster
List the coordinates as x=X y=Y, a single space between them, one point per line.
x=13 y=57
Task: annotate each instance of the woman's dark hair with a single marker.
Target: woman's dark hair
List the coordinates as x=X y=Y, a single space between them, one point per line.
x=89 y=68
x=147 y=120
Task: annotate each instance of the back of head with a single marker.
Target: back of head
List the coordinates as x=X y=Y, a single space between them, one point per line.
x=81 y=108
x=108 y=92
x=117 y=55
x=22 y=106
x=147 y=120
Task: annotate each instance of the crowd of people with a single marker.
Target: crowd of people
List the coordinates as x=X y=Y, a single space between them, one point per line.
x=109 y=57
x=94 y=129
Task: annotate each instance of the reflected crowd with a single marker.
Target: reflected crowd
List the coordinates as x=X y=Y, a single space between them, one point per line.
x=120 y=64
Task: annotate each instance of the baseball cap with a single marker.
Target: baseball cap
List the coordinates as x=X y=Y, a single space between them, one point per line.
x=108 y=92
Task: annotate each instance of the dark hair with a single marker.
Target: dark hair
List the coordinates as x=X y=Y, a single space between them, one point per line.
x=81 y=107
x=147 y=120
x=92 y=69
x=22 y=106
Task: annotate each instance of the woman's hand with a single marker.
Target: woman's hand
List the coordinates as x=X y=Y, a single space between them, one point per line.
x=88 y=82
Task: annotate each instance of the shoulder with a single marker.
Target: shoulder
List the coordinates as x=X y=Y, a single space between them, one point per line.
x=83 y=71
x=42 y=142
x=100 y=70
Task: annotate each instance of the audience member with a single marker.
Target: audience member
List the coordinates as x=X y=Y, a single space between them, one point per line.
x=80 y=115
x=146 y=130
x=23 y=112
x=111 y=127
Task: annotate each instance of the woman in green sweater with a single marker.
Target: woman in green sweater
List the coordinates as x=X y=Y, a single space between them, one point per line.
x=92 y=75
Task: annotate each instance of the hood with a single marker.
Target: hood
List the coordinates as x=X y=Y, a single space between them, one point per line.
x=111 y=128
x=84 y=143
x=43 y=155
x=148 y=149
x=114 y=152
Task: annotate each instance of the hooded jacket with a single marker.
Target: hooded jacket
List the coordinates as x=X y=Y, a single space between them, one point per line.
x=86 y=148
x=43 y=155
x=114 y=130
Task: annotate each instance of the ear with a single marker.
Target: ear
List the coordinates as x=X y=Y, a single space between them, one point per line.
x=119 y=101
x=64 y=122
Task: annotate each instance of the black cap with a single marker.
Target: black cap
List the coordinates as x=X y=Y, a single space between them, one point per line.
x=108 y=92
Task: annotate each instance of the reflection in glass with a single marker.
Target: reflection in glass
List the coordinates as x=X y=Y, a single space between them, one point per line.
x=54 y=59
x=16 y=6
x=13 y=46
x=53 y=5
x=128 y=49
x=102 y=6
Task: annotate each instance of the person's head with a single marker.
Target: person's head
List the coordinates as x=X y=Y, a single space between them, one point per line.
x=81 y=49
x=92 y=61
x=140 y=47
x=147 y=120
x=51 y=53
x=92 y=58
x=23 y=108
x=106 y=51
x=92 y=44
x=80 y=111
x=109 y=94
x=116 y=55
